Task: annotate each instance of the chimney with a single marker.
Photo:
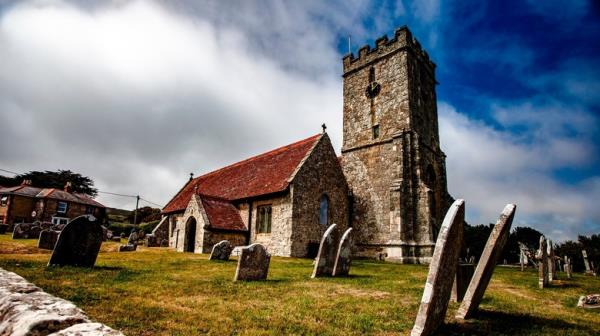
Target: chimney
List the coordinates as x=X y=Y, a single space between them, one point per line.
x=26 y=183
x=68 y=187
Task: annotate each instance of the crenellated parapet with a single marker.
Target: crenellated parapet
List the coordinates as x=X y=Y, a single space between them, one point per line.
x=384 y=47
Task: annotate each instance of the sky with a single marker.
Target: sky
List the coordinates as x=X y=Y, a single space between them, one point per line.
x=138 y=94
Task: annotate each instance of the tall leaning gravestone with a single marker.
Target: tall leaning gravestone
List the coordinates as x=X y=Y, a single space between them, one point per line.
x=221 y=251
x=78 y=243
x=441 y=272
x=487 y=262
x=326 y=256
x=343 y=258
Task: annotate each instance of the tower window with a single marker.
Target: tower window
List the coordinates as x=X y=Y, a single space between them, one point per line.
x=372 y=74
x=375 y=131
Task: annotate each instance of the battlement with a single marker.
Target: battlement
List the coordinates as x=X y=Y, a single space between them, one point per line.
x=403 y=40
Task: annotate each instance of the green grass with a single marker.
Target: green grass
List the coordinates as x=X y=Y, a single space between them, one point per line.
x=161 y=292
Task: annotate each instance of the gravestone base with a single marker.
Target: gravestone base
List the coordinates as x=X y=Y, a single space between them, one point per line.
x=127 y=248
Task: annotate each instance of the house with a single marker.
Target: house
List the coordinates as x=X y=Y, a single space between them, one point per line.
x=284 y=199
x=26 y=204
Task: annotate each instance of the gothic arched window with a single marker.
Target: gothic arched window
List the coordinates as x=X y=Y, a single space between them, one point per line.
x=324 y=210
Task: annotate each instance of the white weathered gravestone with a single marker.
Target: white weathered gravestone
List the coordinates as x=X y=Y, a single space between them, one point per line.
x=551 y=262
x=325 y=260
x=221 y=251
x=487 y=262
x=442 y=270
x=542 y=256
x=253 y=263
x=586 y=262
x=344 y=255
x=568 y=267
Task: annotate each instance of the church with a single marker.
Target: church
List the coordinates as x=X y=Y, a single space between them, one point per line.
x=389 y=184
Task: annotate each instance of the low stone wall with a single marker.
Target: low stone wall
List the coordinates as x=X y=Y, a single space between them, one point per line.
x=26 y=310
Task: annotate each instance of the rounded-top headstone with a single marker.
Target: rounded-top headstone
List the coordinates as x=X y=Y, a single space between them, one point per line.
x=221 y=251
x=325 y=260
x=442 y=271
x=344 y=255
x=487 y=262
x=78 y=244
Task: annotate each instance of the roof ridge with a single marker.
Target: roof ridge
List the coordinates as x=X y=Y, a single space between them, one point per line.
x=297 y=143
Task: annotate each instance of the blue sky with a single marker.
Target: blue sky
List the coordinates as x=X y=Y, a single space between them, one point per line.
x=137 y=94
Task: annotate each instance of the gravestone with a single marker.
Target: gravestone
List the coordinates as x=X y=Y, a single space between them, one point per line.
x=551 y=262
x=48 y=239
x=3 y=228
x=464 y=273
x=586 y=262
x=442 y=270
x=542 y=263
x=26 y=231
x=522 y=260
x=221 y=251
x=343 y=258
x=253 y=263
x=78 y=244
x=325 y=260
x=487 y=262
x=133 y=238
x=568 y=268
x=127 y=248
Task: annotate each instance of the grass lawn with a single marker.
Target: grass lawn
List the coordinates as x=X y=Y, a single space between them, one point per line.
x=161 y=292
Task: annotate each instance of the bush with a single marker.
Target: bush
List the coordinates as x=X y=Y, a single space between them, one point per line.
x=118 y=228
x=148 y=227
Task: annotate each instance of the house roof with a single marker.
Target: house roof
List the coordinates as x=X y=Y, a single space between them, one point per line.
x=222 y=214
x=58 y=194
x=263 y=174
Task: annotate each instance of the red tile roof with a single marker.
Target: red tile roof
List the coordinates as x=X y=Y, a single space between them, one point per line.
x=61 y=195
x=259 y=175
x=222 y=214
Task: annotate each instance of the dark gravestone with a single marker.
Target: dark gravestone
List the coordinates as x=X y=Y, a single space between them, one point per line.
x=127 y=248
x=542 y=256
x=78 y=244
x=26 y=231
x=487 y=262
x=442 y=270
x=253 y=263
x=464 y=273
x=48 y=239
x=221 y=251
x=3 y=228
x=344 y=255
x=325 y=260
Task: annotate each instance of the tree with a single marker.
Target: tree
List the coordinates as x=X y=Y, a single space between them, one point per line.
x=475 y=238
x=526 y=235
x=49 y=179
x=144 y=214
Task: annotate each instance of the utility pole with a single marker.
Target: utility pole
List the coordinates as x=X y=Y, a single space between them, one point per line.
x=137 y=203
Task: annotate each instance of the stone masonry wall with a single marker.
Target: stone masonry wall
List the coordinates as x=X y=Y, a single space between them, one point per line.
x=321 y=174
x=27 y=310
x=278 y=242
x=213 y=237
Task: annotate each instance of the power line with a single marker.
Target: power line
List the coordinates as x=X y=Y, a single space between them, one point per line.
x=145 y=200
x=111 y=193
x=8 y=171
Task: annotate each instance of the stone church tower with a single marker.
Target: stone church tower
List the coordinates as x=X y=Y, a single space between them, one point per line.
x=391 y=155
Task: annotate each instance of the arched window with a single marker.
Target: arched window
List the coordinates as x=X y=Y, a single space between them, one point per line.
x=324 y=210
x=371 y=74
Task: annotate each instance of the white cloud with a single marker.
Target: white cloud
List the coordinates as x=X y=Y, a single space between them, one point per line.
x=137 y=96
x=490 y=167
